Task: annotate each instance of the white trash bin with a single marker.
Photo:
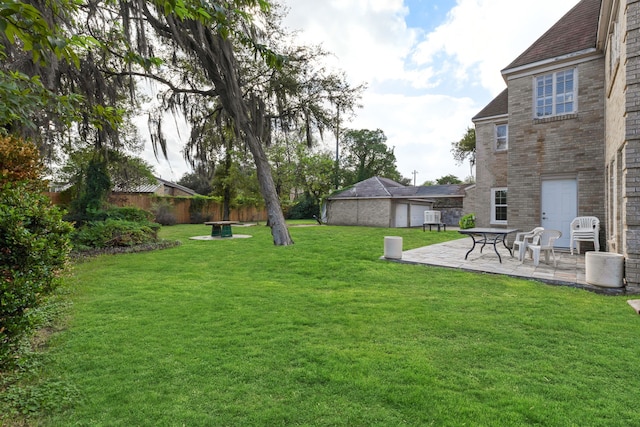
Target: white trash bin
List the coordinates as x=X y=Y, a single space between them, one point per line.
x=604 y=269
x=393 y=247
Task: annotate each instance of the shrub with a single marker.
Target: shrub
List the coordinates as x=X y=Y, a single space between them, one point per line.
x=115 y=233
x=19 y=161
x=34 y=246
x=163 y=212
x=468 y=221
x=306 y=207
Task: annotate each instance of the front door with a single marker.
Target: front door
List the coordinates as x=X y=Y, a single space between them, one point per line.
x=559 y=207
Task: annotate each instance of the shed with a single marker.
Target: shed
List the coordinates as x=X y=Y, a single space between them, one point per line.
x=382 y=202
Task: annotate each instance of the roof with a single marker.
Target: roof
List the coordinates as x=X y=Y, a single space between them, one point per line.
x=576 y=31
x=152 y=188
x=497 y=107
x=178 y=186
x=377 y=187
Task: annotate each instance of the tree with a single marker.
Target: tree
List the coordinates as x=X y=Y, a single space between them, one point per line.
x=211 y=47
x=367 y=155
x=199 y=180
x=448 y=179
x=465 y=148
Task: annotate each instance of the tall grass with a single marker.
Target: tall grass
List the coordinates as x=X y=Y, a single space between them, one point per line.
x=244 y=333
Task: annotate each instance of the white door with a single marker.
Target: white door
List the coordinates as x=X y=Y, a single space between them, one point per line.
x=559 y=207
x=402 y=215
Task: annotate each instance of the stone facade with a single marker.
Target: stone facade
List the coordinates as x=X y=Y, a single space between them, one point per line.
x=569 y=146
x=630 y=149
x=491 y=170
x=598 y=145
x=364 y=212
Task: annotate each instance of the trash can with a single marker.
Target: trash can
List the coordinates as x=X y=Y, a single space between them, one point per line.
x=393 y=247
x=604 y=269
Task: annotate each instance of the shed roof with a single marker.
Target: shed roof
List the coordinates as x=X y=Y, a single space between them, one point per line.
x=378 y=187
x=576 y=31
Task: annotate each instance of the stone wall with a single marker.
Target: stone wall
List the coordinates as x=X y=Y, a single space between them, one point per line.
x=570 y=146
x=491 y=171
x=631 y=149
x=364 y=212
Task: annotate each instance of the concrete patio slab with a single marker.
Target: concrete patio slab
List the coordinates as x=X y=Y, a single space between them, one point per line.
x=570 y=269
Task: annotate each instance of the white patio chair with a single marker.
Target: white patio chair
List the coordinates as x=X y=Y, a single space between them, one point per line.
x=544 y=242
x=585 y=229
x=522 y=240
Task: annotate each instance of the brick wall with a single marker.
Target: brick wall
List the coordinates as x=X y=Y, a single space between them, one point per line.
x=631 y=148
x=559 y=147
x=491 y=172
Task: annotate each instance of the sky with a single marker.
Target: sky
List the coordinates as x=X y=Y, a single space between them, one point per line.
x=429 y=67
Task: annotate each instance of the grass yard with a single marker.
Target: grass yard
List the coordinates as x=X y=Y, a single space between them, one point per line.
x=324 y=333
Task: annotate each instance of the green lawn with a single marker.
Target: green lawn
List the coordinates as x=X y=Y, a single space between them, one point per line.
x=243 y=333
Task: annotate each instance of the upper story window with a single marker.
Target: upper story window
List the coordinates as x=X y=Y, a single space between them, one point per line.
x=555 y=93
x=498 y=205
x=502 y=137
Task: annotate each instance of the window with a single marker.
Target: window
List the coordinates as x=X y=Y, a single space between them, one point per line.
x=555 y=93
x=499 y=205
x=502 y=137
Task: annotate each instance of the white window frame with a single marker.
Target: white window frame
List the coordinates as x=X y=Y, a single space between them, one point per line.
x=555 y=96
x=494 y=205
x=496 y=137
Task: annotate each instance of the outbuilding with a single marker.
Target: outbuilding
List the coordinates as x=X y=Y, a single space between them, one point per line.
x=382 y=202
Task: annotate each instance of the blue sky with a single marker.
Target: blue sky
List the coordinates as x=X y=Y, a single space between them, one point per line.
x=430 y=66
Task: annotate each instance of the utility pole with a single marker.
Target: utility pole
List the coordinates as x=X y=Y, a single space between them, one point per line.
x=337 y=171
x=415 y=172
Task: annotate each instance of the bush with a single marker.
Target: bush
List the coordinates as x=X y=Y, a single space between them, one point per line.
x=163 y=212
x=114 y=233
x=34 y=246
x=468 y=221
x=305 y=207
x=118 y=213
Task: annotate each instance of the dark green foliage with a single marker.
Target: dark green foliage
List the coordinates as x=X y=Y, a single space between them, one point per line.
x=34 y=245
x=306 y=207
x=198 y=207
x=115 y=233
x=128 y=213
x=94 y=190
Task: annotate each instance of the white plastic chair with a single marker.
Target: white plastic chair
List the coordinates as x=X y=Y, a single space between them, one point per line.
x=523 y=239
x=585 y=229
x=544 y=242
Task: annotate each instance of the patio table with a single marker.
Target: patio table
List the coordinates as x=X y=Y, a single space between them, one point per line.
x=491 y=236
x=221 y=228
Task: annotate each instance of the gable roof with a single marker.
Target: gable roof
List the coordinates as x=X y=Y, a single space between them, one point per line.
x=499 y=106
x=383 y=188
x=373 y=187
x=576 y=31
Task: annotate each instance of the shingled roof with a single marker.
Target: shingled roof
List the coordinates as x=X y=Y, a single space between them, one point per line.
x=377 y=187
x=497 y=107
x=574 y=32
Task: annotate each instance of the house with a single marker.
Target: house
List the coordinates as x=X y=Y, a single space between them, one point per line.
x=160 y=188
x=563 y=139
x=381 y=202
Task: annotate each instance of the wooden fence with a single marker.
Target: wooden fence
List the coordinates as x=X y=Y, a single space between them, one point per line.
x=184 y=210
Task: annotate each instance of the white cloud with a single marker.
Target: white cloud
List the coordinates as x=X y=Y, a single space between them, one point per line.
x=412 y=74
x=489 y=34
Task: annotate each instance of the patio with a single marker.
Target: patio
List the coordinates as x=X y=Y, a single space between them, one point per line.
x=570 y=270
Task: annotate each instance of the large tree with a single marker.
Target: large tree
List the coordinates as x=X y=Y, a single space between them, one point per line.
x=367 y=155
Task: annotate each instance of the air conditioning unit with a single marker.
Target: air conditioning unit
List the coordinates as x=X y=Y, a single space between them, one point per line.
x=432 y=217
